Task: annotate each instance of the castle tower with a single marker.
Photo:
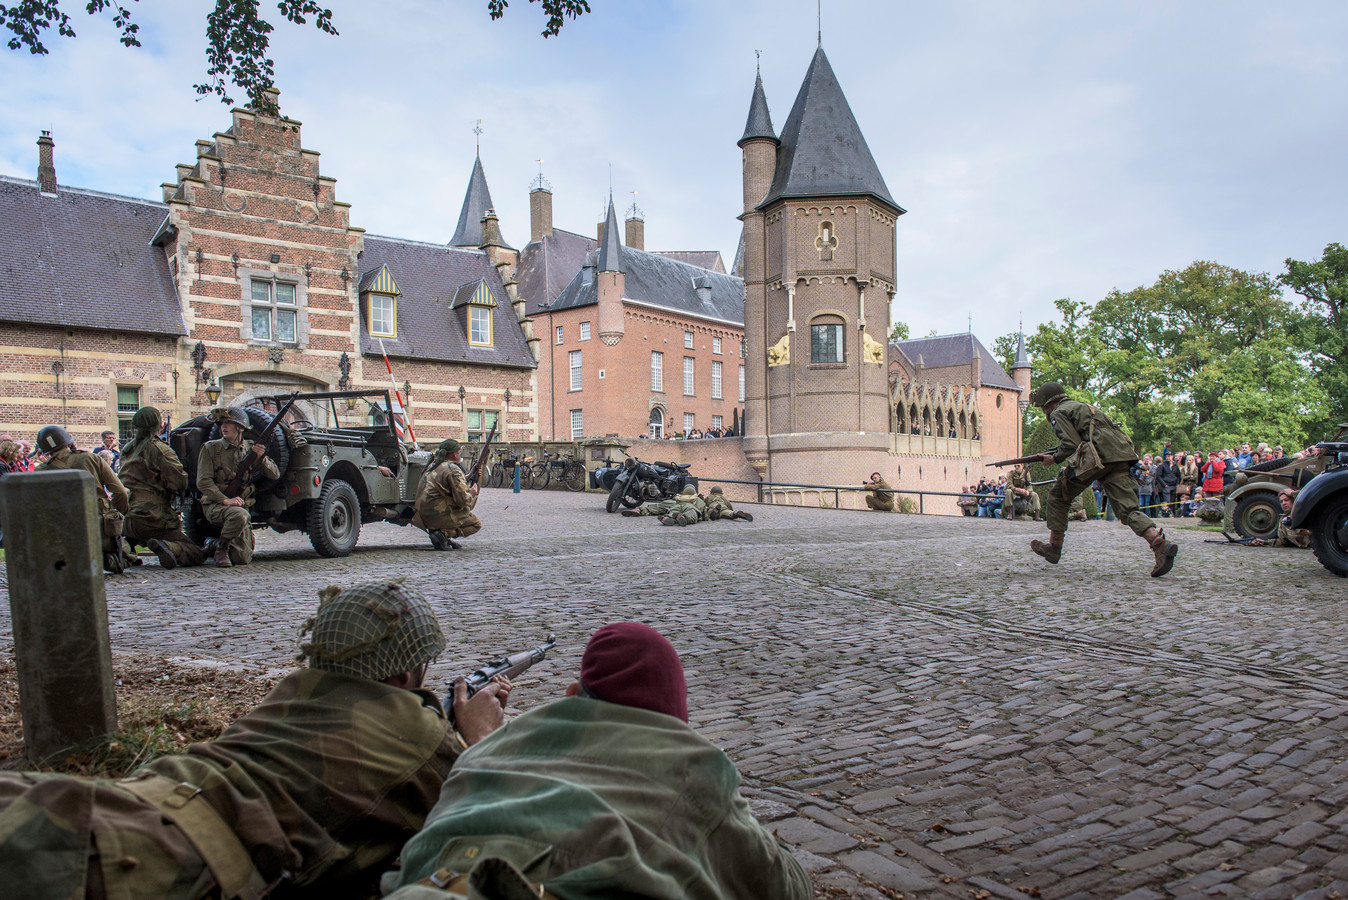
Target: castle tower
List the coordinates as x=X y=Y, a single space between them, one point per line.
x=476 y=204
x=611 y=281
x=1020 y=374
x=819 y=273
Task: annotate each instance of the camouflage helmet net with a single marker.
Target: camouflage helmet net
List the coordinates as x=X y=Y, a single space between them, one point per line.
x=373 y=630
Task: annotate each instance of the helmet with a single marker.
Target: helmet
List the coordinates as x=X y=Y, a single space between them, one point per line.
x=372 y=630
x=231 y=414
x=52 y=438
x=147 y=418
x=717 y=490
x=1046 y=393
x=688 y=491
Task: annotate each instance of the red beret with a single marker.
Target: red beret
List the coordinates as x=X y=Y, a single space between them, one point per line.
x=632 y=664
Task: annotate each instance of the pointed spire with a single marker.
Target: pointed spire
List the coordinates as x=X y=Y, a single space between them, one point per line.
x=611 y=250
x=759 y=124
x=823 y=152
x=476 y=202
x=1022 y=358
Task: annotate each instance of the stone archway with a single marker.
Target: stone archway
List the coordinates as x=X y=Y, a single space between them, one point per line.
x=245 y=388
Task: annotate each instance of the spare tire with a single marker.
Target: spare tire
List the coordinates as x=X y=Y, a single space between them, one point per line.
x=186 y=441
x=277 y=448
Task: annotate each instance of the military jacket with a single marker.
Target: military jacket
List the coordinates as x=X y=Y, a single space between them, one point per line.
x=217 y=464
x=98 y=467
x=1292 y=537
x=443 y=500
x=883 y=493
x=718 y=501
x=1071 y=422
x=595 y=799
x=321 y=785
x=152 y=476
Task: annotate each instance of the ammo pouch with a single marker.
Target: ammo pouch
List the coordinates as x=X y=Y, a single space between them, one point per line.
x=1086 y=463
x=112 y=523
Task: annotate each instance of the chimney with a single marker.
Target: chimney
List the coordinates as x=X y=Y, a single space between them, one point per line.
x=46 y=169
x=599 y=233
x=540 y=214
x=636 y=233
x=491 y=230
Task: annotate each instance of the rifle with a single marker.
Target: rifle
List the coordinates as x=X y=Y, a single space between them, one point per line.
x=476 y=472
x=244 y=475
x=1018 y=460
x=510 y=666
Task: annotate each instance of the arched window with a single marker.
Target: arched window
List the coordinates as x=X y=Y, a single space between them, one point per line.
x=826 y=340
x=657 y=423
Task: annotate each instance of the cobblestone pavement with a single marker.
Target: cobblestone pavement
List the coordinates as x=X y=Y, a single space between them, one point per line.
x=917 y=704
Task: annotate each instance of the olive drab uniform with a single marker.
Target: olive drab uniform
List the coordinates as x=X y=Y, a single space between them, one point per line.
x=216 y=466
x=1292 y=537
x=113 y=501
x=1022 y=504
x=444 y=503
x=1071 y=422
x=153 y=475
x=318 y=788
x=881 y=497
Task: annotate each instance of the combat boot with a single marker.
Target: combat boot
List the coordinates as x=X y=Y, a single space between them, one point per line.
x=741 y=514
x=1164 y=550
x=631 y=513
x=222 y=556
x=1052 y=551
x=166 y=558
x=715 y=513
x=438 y=540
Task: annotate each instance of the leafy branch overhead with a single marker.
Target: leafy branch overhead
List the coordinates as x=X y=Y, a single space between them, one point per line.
x=237 y=36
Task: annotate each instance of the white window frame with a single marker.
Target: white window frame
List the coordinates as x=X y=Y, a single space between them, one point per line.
x=716 y=421
x=478 y=422
x=479 y=316
x=577 y=424
x=741 y=384
x=125 y=411
x=391 y=331
x=584 y=331
x=716 y=345
x=657 y=371
x=689 y=423
x=577 y=373
x=559 y=335
x=248 y=278
x=689 y=380
x=688 y=340
x=716 y=379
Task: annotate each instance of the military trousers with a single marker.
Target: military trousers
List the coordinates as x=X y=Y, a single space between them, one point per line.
x=236 y=531
x=880 y=504
x=142 y=531
x=1119 y=487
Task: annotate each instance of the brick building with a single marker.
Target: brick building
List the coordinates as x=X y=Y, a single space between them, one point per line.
x=247 y=278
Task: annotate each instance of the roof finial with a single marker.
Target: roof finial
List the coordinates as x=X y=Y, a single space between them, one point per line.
x=634 y=211
x=971 y=322
x=819 y=13
x=758 y=62
x=540 y=183
x=477 y=130
x=610 y=182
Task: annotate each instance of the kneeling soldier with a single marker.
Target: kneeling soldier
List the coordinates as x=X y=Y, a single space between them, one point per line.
x=445 y=499
x=216 y=465
x=152 y=473
x=113 y=500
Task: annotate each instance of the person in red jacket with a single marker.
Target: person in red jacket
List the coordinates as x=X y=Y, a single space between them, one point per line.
x=1211 y=472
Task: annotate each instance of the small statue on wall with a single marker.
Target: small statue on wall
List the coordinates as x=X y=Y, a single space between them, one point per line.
x=873 y=351
x=779 y=354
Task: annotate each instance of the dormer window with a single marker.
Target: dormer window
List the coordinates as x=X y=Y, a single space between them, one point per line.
x=479 y=326
x=383 y=315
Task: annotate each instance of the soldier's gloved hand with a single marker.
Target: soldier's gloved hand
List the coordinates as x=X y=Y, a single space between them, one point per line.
x=478 y=716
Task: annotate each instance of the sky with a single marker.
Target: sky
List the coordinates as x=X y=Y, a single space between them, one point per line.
x=1041 y=149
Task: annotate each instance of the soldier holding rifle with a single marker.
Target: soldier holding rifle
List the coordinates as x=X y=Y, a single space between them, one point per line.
x=217 y=471
x=1091 y=441
x=445 y=499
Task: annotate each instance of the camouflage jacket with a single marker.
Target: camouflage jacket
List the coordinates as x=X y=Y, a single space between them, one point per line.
x=443 y=500
x=152 y=476
x=321 y=784
x=218 y=462
x=1071 y=422
x=594 y=799
x=1292 y=537
x=97 y=467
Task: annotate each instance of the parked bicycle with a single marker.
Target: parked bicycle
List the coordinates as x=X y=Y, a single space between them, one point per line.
x=503 y=473
x=569 y=470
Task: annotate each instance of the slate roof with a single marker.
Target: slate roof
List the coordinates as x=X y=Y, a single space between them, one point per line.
x=703 y=259
x=663 y=282
x=476 y=202
x=1022 y=360
x=957 y=350
x=548 y=265
x=83 y=259
x=429 y=276
x=759 y=124
x=611 y=250
x=823 y=152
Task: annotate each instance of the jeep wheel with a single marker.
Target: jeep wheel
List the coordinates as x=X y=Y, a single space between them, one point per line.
x=333 y=519
x=1256 y=515
x=1329 y=536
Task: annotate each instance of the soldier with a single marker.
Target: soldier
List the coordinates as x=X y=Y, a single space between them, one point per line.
x=1077 y=511
x=606 y=792
x=216 y=465
x=113 y=500
x=685 y=509
x=1075 y=423
x=881 y=498
x=445 y=499
x=314 y=791
x=1286 y=537
x=1024 y=499
x=718 y=507
x=152 y=473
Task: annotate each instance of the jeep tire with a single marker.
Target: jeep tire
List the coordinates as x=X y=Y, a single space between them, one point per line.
x=333 y=519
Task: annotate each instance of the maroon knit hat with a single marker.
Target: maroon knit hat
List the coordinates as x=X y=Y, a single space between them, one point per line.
x=634 y=665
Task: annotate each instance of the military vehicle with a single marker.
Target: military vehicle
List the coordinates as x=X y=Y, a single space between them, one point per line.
x=1251 y=505
x=330 y=482
x=1323 y=508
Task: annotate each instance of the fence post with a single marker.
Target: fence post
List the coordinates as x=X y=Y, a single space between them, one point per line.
x=921 y=507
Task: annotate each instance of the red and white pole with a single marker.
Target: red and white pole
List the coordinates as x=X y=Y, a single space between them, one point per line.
x=401 y=418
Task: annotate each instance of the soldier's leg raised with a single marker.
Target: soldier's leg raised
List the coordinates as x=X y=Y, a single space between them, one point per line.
x=1118 y=487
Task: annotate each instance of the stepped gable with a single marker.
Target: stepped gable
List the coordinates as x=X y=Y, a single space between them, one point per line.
x=429 y=276
x=823 y=152
x=84 y=259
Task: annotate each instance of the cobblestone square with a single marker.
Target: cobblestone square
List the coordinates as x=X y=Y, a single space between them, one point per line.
x=918 y=704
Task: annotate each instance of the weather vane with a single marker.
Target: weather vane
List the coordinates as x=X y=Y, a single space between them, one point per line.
x=636 y=212
x=477 y=130
x=540 y=183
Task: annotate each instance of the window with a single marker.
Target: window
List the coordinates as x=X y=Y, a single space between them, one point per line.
x=575 y=370
x=128 y=401
x=688 y=376
x=715 y=345
x=741 y=384
x=559 y=334
x=478 y=423
x=826 y=343
x=479 y=326
x=716 y=421
x=577 y=425
x=716 y=380
x=688 y=340
x=383 y=312
x=657 y=370
x=687 y=422
x=273 y=311
x=657 y=423
x=584 y=331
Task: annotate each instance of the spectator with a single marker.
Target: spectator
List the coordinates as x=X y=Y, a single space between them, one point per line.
x=1101 y=499
x=1232 y=461
x=110 y=444
x=1212 y=472
x=1277 y=453
x=1188 y=466
x=1243 y=458
x=992 y=503
x=1146 y=484
x=1168 y=477
x=967 y=503
x=952 y=432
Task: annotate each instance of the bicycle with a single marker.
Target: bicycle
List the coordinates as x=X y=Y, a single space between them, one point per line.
x=570 y=472
x=504 y=475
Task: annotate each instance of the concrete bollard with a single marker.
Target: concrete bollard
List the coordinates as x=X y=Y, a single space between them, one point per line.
x=54 y=560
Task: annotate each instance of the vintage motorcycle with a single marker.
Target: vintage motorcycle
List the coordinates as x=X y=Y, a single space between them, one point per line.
x=1322 y=506
x=640 y=482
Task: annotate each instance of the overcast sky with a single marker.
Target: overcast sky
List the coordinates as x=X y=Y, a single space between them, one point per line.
x=1042 y=149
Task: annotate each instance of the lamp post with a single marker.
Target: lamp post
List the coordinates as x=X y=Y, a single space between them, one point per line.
x=212 y=389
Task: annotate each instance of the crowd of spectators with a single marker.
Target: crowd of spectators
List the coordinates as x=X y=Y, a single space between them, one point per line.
x=692 y=434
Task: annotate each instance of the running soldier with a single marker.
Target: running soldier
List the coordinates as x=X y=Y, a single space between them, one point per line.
x=113 y=500
x=152 y=473
x=216 y=465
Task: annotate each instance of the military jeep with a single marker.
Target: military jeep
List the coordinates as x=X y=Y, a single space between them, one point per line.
x=1251 y=505
x=329 y=483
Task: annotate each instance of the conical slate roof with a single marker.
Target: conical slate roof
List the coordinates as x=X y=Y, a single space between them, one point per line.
x=476 y=202
x=823 y=152
x=1022 y=358
x=611 y=250
x=760 y=122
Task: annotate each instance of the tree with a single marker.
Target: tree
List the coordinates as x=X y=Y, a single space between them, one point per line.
x=1323 y=285
x=237 y=35
x=898 y=332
